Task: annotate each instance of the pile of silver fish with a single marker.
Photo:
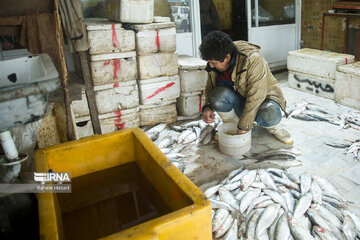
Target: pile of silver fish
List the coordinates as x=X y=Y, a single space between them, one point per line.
x=274 y=204
x=311 y=112
x=351 y=148
x=172 y=140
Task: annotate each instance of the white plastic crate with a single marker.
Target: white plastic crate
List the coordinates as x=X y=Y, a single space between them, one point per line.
x=156 y=113
x=317 y=62
x=190 y=104
x=155 y=37
x=192 y=73
x=113 y=67
x=347 y=85
x=109 y=98
x=130 y=11
x=108 y=122
x=324 y=87
x=160 y=89
x=107 y=36
x=157 y=65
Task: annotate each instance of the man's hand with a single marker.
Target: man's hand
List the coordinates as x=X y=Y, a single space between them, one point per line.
x=240 y=131
x=208 y=115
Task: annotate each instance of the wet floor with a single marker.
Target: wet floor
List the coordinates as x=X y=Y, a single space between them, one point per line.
x=207 y=164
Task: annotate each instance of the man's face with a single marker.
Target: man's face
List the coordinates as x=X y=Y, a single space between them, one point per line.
x=220 y=66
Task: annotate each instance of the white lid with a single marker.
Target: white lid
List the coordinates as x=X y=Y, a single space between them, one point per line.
x=157 y=25
x=325 y=56
x=190 y=63
x=101 y=24
x=353 y=68
x=160 y=79
x=115 y=85
x=108 y=56
x=159 y=19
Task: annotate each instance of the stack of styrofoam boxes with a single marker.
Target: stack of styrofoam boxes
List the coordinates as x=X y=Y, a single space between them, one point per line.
x=193 y=79
x=158 y=79
x=313 y=71
x=114 y=73
x=347 y=85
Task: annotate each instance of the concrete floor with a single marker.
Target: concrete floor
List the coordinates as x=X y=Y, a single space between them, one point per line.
x=207 y=164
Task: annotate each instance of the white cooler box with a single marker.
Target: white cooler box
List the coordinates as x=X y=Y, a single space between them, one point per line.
x=109 y=122
x=109 y=98
x=113 y=67
x=347 y=85
x=105 y=36
x=157 y=65
x=156 y=113
x=155 y=37
x=160 y=89
x=190 y=104
x=317 y=62
x=324 y=87
x=130 y=11
x=192 y=73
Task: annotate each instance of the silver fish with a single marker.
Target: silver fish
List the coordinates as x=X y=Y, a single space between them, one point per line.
x=334 y=202
x=235 y=172
x=165 y=143
x=183 y=135
x=276 y=197
x=232 y=232
x=239 y=196
x=224 y=227
x=152 y=135
x=239 y=176
x=305 y=183
x=295 y=193
x=207 y=139
x=219 y=204
x=189 y=138
x=303 y=205
x=282 y=230
x=264 y=204
x=288 y=197
x=255 y=202
x=266 y=219
x=299 y=232
x=327 y=215
x=349 y=228
x=157 y=128
x=327 y=187
x=247 y=180
x=219 y=218
x=316 y=193
x=208 y=129
x=212 y=190
x=334 y=210
x=172 y=155
x=286 y=182
x=315 y=217
x=227 y=197
x=324 y=233
x=232 y=186
x=272 y=228
x=355 y=219
x=267 y=179
x=283 y=164
x=257 y=184
x=248 y=198
x=192 y=124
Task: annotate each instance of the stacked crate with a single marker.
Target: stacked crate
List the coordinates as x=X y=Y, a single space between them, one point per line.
x=347 y=85
x=193 y=79
x=158 y=79
x=113 y=67
x=313 y=71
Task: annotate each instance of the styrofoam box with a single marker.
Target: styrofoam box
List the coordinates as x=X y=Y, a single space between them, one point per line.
x=157 y=65
x=155 y=37
x=317 y=62
x=160 y=89
x=193 y=77
x=190 y=104
x=347 y=85
x=316 y=85
x=155 y=113
x=106 y=36
x=109 y=98
x=113 y=67
x=109 y=122
x=130 y=11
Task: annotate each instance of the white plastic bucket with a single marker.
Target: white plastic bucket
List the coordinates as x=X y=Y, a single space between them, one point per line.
x=232 y=144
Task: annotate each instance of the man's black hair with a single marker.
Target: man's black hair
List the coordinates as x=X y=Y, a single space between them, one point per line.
x=216 y=45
